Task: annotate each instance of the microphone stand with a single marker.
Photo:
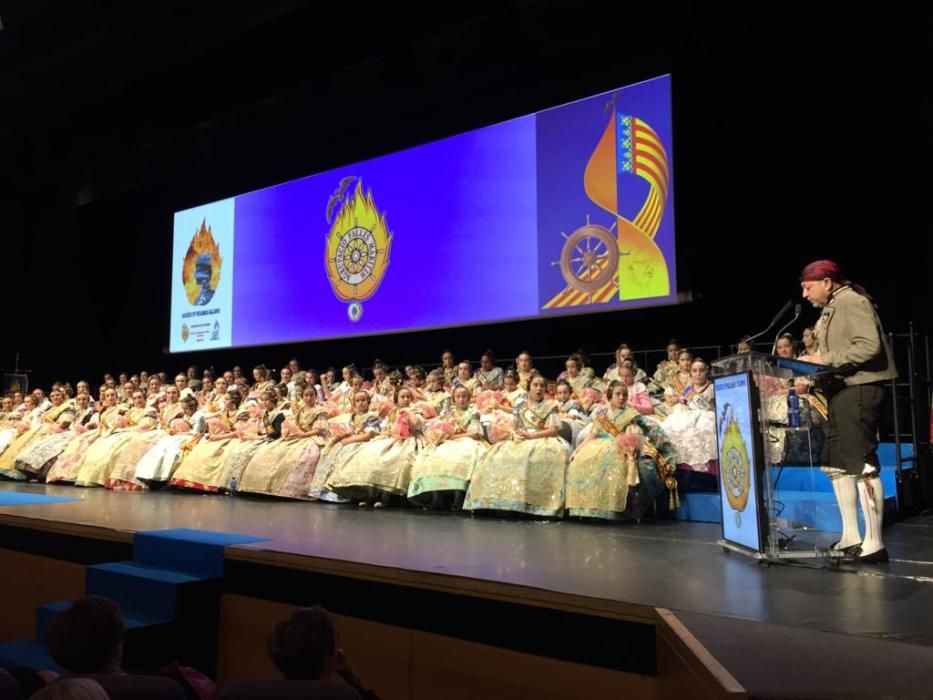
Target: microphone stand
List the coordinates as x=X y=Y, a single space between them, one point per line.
x=784 y=310
x=785 y=327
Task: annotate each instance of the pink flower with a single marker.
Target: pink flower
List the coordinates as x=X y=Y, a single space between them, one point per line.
x=438 y=431
x=629 y=443
x=338 y=429
x=381 y=405
x=180 y=426
x=425 y=409
x=502 y=427
x=488 y=401
x=588 y=397
x=402 y=425
x=642 y=403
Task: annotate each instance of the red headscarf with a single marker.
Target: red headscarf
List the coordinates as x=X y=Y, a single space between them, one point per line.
x=820 y=270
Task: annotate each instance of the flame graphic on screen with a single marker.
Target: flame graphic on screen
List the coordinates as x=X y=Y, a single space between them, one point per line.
x=202 y=243
x=361 y=210
x=358 y=212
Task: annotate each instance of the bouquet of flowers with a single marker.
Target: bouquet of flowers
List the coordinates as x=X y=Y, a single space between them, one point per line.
x=488 y=401
x=629 y=443
x=338 y=429
x=247 y=431
x=289 y=428
x=179 y=425
x=402 y=427
x=438 y=431
x=589 y=397
x=426 y=410
x=501 y=428
x=380 y=405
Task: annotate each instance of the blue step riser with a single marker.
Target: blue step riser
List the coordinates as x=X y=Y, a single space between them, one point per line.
x=807 y=479
x=29 y=653
x=157 y=599
x=45 y=615
x=820 y=512
x=191 y=557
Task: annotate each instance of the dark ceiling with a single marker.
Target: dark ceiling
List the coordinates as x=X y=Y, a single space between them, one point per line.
x=800 y=132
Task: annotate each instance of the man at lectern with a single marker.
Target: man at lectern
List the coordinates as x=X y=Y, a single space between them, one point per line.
x=851 y=341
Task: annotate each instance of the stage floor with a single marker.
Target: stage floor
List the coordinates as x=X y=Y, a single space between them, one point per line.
x=673 y=565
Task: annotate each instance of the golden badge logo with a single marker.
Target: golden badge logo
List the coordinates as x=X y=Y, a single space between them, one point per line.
x=185 y=332
x=357 y=246
x=736 y=469
x=200 y=272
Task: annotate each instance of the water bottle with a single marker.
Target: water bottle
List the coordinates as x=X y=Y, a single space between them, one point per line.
x=232 y=486
x=793 y=409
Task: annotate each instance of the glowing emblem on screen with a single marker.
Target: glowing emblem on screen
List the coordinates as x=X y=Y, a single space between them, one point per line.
x=200 y=271
x=736 y=469
x=357 y=247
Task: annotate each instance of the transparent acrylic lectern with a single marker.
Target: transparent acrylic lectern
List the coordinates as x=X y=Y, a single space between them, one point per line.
x=771 y=507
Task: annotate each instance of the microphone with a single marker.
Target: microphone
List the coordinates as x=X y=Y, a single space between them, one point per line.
x=786 y=326
x=777 y=317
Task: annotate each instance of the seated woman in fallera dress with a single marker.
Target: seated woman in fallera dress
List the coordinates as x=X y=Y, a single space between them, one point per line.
x=8 y=421
x=570 y=411
x=465 y=377
x=575 y=377
x=691 y=427
x=85 y=432
x=623 y=465
x=37 y=459
x=512 y=392
x=441 y=471
x=416 y=383
x=261 y=382
x=158 y=464
x=285 y=467
x=202 y=464
x=22 y=421
x=680 y=379
x=347 y=438
x=525 y=474
x=155 y=392
x=638 y=396
x=58 y=417
x=118 y=425
x=265 y=415
x=434 y=392
x=382 y=384
x=381 y=468
x=123 y=476
x=448 y=369
x=488 y=376
x=524 y=369
x=624 y=353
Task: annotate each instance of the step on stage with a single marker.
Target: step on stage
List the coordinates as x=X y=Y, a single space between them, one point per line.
x=450 y=603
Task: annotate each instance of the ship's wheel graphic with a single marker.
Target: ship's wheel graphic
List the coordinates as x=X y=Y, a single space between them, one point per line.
x=589 y=258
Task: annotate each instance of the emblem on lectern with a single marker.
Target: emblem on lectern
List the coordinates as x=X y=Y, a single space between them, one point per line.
x=357 y=247
x=736 y=469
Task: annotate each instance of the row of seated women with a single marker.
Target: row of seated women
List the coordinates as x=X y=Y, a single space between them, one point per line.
x=442 y=450
x=594 y=448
